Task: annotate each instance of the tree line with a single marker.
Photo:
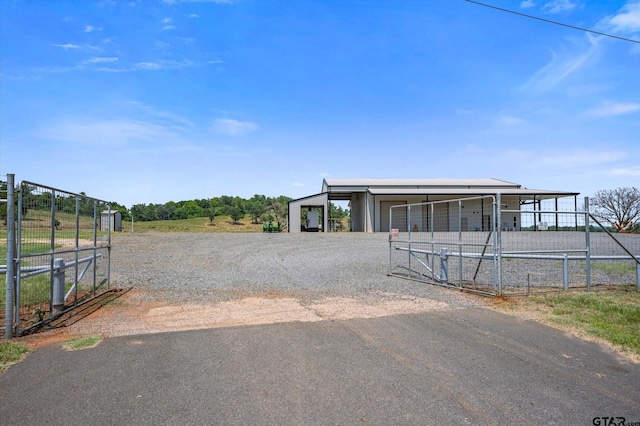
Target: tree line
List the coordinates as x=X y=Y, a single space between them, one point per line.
x=258 y=208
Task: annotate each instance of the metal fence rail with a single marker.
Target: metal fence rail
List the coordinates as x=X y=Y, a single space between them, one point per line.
x=458 y=244
x=58 y=254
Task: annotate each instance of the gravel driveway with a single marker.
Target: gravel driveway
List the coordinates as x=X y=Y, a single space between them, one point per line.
x=184 y=281
x=185 y=267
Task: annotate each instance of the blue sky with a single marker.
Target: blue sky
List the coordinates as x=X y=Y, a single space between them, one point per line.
x=154 y=101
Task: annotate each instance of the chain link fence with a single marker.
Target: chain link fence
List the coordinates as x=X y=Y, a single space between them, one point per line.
x=518 y=248
x=58 y=253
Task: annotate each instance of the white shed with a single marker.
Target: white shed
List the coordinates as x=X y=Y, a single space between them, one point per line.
x=111 y=221
x=296 y=207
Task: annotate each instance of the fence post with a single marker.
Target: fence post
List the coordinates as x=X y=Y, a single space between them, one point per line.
x=565 y=271
x=58 y=284
x=498 y=228
x=444 y=266
x=587 y=236
x=11 y=244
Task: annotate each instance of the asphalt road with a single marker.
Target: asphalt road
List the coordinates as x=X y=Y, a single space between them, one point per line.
x=461 y=366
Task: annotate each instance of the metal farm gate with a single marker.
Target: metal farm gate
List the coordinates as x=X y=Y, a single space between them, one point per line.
x=57 y=254
x=480 y=245
x=431 y=242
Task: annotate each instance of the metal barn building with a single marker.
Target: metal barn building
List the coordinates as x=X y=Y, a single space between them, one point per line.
x=370 y=200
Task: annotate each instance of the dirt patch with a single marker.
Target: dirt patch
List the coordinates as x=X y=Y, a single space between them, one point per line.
x=129 y=314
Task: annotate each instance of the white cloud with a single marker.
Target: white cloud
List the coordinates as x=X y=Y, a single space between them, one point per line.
x=91 y=28
x=140 y=66
x=510 y=120
x=67 y=46
x=100 y=60
x=159 y=65
x=526 y=4
x=84 y=47
x=231 y=127
x=109 y=133
x=164 y=116
x=558 y=6
x=167 y=24
x=576 y=159
x=633 y=172
x=561 y=67
x=626 y=21
x=609 y=109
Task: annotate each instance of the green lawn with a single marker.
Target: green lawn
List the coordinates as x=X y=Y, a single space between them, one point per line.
x=612 y=315
x=11 y=353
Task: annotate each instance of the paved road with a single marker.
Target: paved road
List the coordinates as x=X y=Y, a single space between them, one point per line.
x=462 y=366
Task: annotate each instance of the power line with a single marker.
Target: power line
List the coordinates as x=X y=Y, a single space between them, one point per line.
x=552 y=22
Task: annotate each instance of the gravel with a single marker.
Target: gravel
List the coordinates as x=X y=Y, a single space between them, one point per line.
x=197 y=268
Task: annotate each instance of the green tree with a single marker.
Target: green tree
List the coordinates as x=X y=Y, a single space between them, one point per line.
x=236 y=213
x=166 y=211
x=180 y=213
x=255 y=209
x=193 y=209
x=143 y=212
x=279 y=208
x=212 y=212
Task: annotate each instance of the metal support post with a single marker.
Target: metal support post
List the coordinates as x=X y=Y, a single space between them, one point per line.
x=58 y=284
x=498 y=228
x=444 y=266
x=587 y=242
x=565 y=271
x=11 y=241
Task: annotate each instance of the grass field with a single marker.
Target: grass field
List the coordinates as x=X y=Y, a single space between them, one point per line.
x=199 y=224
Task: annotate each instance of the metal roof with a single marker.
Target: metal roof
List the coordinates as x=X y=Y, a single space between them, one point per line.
x=470 y=191
x=342 y=188
x=429 y=183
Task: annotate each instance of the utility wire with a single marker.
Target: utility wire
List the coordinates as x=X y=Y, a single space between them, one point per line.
x=552 y=22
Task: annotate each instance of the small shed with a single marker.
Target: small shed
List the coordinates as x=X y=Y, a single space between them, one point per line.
x=296 y=207
x=110 y=219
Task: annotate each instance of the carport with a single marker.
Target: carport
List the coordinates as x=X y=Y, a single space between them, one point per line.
x=313 y=201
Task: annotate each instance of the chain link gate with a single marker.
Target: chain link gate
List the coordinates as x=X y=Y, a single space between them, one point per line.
x=451 y=243
x=58 y=253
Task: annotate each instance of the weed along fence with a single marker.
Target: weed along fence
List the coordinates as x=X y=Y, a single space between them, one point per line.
x=57 y=254
x=481 y=245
